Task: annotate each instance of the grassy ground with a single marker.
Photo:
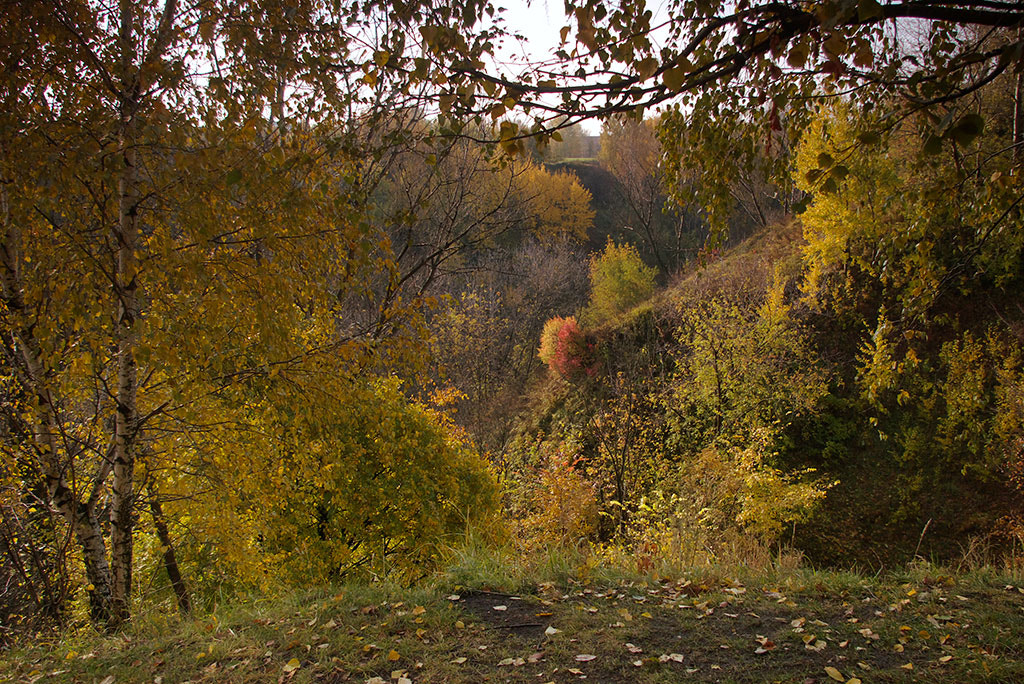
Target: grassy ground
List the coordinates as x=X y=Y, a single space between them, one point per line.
x=794 y=626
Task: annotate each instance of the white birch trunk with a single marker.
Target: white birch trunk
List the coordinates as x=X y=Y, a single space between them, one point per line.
x=125 y=238
x=31 y=371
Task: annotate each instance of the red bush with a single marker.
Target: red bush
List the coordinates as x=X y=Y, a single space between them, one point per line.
x=566 y=349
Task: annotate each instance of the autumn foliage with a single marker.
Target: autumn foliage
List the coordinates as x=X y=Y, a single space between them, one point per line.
x=224 y=298
x=566 y=349
x=381 y=487
x=619 y=280
x=561 y=501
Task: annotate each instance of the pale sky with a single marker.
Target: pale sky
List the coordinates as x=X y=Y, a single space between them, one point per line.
x=540 y=22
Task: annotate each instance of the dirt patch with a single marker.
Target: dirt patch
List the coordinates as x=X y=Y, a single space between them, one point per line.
x=520 y=617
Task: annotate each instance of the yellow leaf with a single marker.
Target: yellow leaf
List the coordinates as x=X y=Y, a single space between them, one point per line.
x=393 y=655
x=419 y=610
x=292 y=665
x=674 y=78
x=834 y=674
x=646 y=68
x=908 y=666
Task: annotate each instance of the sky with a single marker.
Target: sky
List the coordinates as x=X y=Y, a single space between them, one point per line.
x=539 y=21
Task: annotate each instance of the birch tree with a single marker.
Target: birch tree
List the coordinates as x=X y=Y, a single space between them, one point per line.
x=180 y=206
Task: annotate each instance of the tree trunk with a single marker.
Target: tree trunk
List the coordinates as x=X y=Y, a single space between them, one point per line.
x=26 y=359
x=170 y=559
x=1018 y=113
x=126 y=286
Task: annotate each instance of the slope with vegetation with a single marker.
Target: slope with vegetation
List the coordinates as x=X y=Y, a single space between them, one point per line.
x=273 y=281
x=849 y=382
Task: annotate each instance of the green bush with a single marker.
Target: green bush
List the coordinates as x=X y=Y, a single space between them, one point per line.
x=619 y=280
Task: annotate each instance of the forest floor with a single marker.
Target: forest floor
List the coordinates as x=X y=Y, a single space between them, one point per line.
x=804 y=628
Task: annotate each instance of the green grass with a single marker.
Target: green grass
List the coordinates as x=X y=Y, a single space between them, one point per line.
x=921 y=625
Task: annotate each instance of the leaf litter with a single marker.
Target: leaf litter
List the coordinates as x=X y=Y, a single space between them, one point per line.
x=707 y=629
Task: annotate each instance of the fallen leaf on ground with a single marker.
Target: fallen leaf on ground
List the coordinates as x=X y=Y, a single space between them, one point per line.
x=765 y=644
x=834 y=674
x=584 y=657
x=291 y=666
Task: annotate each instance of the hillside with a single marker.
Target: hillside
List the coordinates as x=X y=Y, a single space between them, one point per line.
x=740 y=351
